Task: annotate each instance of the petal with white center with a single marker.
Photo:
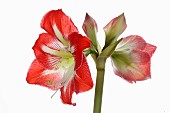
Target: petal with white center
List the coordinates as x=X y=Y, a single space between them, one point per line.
x=39 y=75
x=132 y=42
x=67 y=66
x=80 y=82
x=133 y=66
x=46 y=48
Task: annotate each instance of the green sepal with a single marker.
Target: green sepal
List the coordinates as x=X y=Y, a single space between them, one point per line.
x=107 y=52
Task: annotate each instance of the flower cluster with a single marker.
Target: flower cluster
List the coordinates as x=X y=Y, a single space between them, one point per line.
x=61 y=53
x=130 y=56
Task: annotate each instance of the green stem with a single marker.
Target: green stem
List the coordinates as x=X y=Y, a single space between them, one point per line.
x=100 y=65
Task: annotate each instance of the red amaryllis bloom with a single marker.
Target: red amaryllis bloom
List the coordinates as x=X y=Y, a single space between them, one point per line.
x=131 y=58
x=60 y=62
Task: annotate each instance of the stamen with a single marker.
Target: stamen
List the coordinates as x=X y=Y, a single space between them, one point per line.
x=54 y=94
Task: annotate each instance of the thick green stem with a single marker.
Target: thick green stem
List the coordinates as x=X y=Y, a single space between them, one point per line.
x=100 y=65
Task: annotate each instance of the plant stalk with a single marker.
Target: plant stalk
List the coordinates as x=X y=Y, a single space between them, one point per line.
x=100 y=65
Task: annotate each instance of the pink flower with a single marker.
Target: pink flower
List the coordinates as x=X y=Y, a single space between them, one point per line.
x=60 y=62
x=132 y=58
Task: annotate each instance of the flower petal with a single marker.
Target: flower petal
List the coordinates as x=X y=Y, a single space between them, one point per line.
x=114 y=28
x=78 y=43
x=45 y=48
x=132 y=42
x=133 y=75
x=39 y=75
x=150 y=49
x=61 y=20
x=83 y=80
x=134 y=66
x=66 y=94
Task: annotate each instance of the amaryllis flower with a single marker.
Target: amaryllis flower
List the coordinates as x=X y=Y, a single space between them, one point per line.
x=60 y=62
x=132 y=55
x=132 y=58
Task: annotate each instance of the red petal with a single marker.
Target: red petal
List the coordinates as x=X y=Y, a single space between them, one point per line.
x=66 y=95
x=62 y=21
x=150 y=49
x=47 y=60
x=79 y=43
x=83 y=80
x=142 y=72
x=139 y=57
x=133 y=59
x=37 y=74
x=132 y=42
x=131 y=74
x=134 y=66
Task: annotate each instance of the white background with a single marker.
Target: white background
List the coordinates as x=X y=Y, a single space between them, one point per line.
x=20 y=27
